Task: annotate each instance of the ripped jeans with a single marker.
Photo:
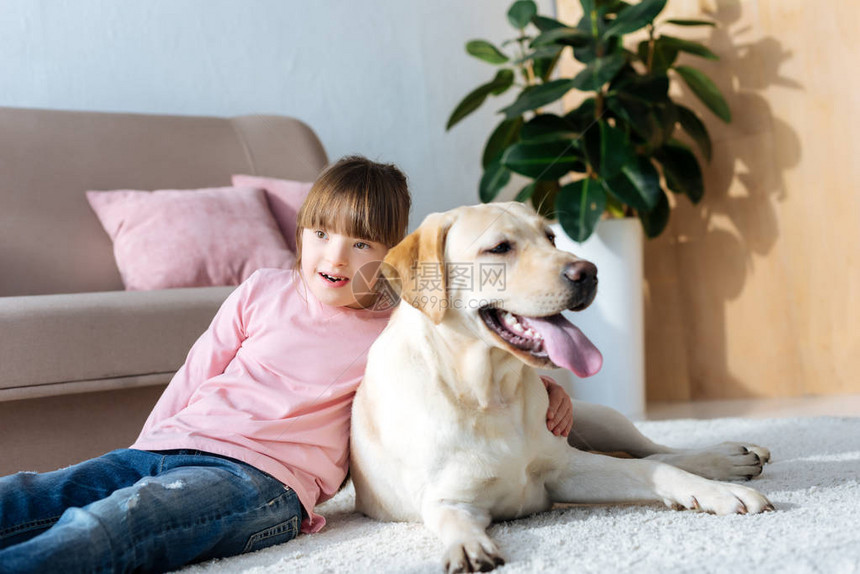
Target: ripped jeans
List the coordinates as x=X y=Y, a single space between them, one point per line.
x=133 y=510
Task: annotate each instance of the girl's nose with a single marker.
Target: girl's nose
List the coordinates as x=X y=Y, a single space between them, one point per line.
x=337 y=252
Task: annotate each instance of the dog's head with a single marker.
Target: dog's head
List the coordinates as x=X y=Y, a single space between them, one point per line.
x=494 y=270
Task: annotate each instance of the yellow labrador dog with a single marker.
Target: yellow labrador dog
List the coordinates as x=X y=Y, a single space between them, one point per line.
x=449 y=426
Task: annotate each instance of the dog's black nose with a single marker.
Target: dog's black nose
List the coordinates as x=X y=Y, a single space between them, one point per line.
x=581 y=273
x=582 y=278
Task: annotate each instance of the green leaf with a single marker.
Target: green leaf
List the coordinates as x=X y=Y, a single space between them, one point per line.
x=682 y=22
x=473 y=100
x=503 y=136
x=543 y=67
x=650 y=87
x=587 y=7
x=521 y=13
x=607 y=149
x=706 y=91
x=495 y=177
x=537 y=96
x=545 y=24
x=504 y=79
x=485 y=51
x=695 y=129
x=548 y=127
x=526 y=192
x=593 y=23
x=689 y=47
x=598 y=72
x=613 y=6
x=579 y=206
x=655 y=221
x=637 y=184
x=545 y=160
x=469 y=104
x=594 y=28
x=681 y=170
x=638 y=114
x=667 y=117
x=635 y=17
x=565 y=36
x=662 y=59
x=542 y=52
x=582 y=117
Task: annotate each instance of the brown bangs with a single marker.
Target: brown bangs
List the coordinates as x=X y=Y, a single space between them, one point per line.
x=347 y=213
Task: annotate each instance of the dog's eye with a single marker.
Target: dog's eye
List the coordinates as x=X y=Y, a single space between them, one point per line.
x=551 y=236
x=502 y=247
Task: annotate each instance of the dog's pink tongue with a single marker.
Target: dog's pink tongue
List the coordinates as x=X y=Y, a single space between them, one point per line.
x=567 y=346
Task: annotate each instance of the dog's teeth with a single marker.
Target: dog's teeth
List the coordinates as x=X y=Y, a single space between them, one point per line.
x=510 y=321
x=514 y=326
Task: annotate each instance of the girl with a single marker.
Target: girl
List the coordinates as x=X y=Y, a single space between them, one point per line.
x=253 y=430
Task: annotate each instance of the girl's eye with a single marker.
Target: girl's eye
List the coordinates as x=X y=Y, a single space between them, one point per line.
x=362 y=245
x=320 y=234
x=501 y=248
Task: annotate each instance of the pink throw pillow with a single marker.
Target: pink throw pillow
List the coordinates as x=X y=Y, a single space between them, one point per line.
x=285 y=198
x=190 y=238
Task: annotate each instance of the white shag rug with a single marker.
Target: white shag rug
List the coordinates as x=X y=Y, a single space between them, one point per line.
x=813 y=480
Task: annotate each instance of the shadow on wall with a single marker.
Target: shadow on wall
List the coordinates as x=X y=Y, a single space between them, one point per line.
x=710 y=249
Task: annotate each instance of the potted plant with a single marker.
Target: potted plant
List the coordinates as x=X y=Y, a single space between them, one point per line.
x=604 y=159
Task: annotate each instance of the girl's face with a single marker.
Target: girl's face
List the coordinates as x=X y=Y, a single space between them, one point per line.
x=330 y=263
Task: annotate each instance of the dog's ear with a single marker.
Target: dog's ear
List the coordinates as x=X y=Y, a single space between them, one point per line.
x=417 y=265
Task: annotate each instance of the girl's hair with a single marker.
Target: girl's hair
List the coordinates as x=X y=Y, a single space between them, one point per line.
x=359 y=198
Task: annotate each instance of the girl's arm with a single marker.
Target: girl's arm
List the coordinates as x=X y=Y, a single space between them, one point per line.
x=559 y=415
x=208 y=357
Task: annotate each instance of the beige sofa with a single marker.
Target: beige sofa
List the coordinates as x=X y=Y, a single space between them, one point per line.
x=82 y=362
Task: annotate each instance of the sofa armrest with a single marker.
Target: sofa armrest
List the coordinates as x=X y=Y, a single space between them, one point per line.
x=82 y=337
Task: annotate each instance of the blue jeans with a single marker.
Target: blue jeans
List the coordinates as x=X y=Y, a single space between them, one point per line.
x=133 y=510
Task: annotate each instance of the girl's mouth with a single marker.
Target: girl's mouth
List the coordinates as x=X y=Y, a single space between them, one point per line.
x=334 y=280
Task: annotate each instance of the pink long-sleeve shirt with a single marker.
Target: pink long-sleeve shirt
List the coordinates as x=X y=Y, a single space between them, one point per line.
x=271 y=383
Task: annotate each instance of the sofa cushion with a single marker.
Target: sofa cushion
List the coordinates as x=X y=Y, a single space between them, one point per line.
x=285 y=198
x=190 y=238
x=50 y=239
x=50 y=339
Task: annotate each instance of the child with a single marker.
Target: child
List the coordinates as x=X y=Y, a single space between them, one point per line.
x=253 y=430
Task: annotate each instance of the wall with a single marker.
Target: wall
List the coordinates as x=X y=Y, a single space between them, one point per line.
x=375 y=77
x=754 y=292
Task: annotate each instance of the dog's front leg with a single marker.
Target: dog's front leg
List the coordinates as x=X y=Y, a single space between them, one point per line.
x=463 y=529
x=602 y=429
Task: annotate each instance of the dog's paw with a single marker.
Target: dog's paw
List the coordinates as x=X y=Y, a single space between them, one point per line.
x=476 y=555
x=763 y=453
x=726 y=461
x=720 y=498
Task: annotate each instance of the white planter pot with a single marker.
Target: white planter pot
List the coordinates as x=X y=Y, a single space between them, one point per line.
x=615 y=320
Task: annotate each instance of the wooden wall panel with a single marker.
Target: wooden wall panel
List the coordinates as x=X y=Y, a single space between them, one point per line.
x=754 y=292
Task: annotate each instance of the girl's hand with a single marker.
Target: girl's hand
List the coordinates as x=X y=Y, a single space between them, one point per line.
x=559 y=415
